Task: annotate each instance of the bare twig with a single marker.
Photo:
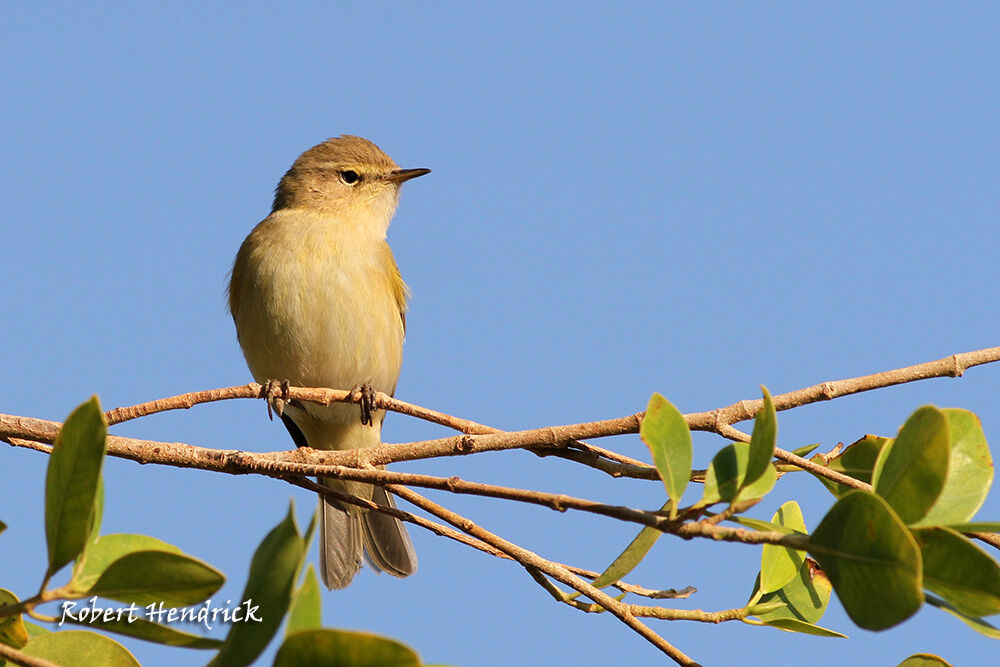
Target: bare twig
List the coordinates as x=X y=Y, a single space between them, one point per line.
x=11 y=654
x=554 y=570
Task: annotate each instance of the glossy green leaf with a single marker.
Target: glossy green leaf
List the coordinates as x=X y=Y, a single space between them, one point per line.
x=342 y=648
x=152 y=577
x=804 y=598
x=959 y=571
x=35 y=630
x=79 y=648
x=666 y=433
x=764 y=607
x=761 y=525
x=106 y=550
x=805 y=450
x=725 y=475
x=857 y=460
x=911 y=471
x=97 y=516
x=871 y=559
x=761 y=487
x=631 y=556
x=141 y=628
x=273 y=571
x=979 y=625
x=976 y=527
x=924 y=660
x=970 y=472
x=306 y=610
x=762 y=441
x=71 y=483
x=778 y=564
x=795 y=625
x=12 y=632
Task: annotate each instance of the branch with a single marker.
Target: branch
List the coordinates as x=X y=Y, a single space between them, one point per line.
x=554 y=570
x=479 y=437
x=951 y=366
x=11 y=654
x=445 y=531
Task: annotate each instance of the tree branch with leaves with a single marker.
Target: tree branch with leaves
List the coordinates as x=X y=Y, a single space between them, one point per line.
x=898 y=533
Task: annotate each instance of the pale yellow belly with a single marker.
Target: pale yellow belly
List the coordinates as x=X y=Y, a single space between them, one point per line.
x=319 y=315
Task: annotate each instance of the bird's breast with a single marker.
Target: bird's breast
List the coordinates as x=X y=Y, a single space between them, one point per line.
x=317 y=305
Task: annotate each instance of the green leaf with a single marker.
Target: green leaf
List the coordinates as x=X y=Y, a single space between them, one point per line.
x=977 y=624
x=762 y=526
x=910 y=472
x=3 y=526
x=725 y=475
x=924 y=660
x=106 y=550
x=12 y=632
x=35 y=630
x=804 y=598
x=153 y=577
x=871 y=559
x=805 y=450
x=764 y=607
x=630 y=557
x=79 y=648
x=665 y=432
x=778 y=564
x=761 y=487
x=97 y=515
x=959 y=571
x=976 y=527
x=970 y=471
x=857 y=461
x=762 y=441
x=341 y=648
x=306 y=611
x=141 y=628
x=71 y=483
x=795 y=625
x=273 y=571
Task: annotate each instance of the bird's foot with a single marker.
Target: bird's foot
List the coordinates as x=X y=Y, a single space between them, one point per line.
x=276 y=394
x=367 y=402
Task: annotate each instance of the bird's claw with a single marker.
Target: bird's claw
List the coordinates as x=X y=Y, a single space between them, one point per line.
x=276 y=394
x=367 y=402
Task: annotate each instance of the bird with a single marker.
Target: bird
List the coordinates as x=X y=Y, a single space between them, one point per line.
x=318 y=301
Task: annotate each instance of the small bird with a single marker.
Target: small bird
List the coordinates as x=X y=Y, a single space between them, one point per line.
x=318 y=301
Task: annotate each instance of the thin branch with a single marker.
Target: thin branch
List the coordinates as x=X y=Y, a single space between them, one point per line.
x=21 y=431
x=451 y=533
x=554 y=570
x=326 y=396
x=951 y=366
x=236 y=462
x=11 y=654
x=718 y=421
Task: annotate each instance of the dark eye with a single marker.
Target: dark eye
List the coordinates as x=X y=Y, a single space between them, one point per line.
x=350 y=177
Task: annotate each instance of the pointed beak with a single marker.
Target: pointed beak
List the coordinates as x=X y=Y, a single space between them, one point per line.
x=403 y=175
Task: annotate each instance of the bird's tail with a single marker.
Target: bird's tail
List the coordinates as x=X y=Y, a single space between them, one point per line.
x=350 y=533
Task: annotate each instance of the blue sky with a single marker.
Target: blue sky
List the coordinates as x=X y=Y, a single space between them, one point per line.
x=692 y=200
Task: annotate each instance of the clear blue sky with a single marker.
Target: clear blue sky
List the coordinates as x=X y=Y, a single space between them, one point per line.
x=624 y=200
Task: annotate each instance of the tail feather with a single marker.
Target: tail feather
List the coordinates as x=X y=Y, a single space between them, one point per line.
x=341 y=544
x=387 y=543
x=349 y=534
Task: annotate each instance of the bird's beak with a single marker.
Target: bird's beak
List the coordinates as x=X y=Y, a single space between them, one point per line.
x=402 y=175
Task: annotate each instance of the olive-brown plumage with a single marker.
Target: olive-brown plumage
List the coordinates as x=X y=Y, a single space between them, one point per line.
x=318 y=301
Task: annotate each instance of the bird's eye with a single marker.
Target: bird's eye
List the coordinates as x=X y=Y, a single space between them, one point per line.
x=350 y=177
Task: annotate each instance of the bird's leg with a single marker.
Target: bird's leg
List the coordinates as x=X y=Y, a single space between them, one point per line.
x=367 y=403
x=276 y=394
